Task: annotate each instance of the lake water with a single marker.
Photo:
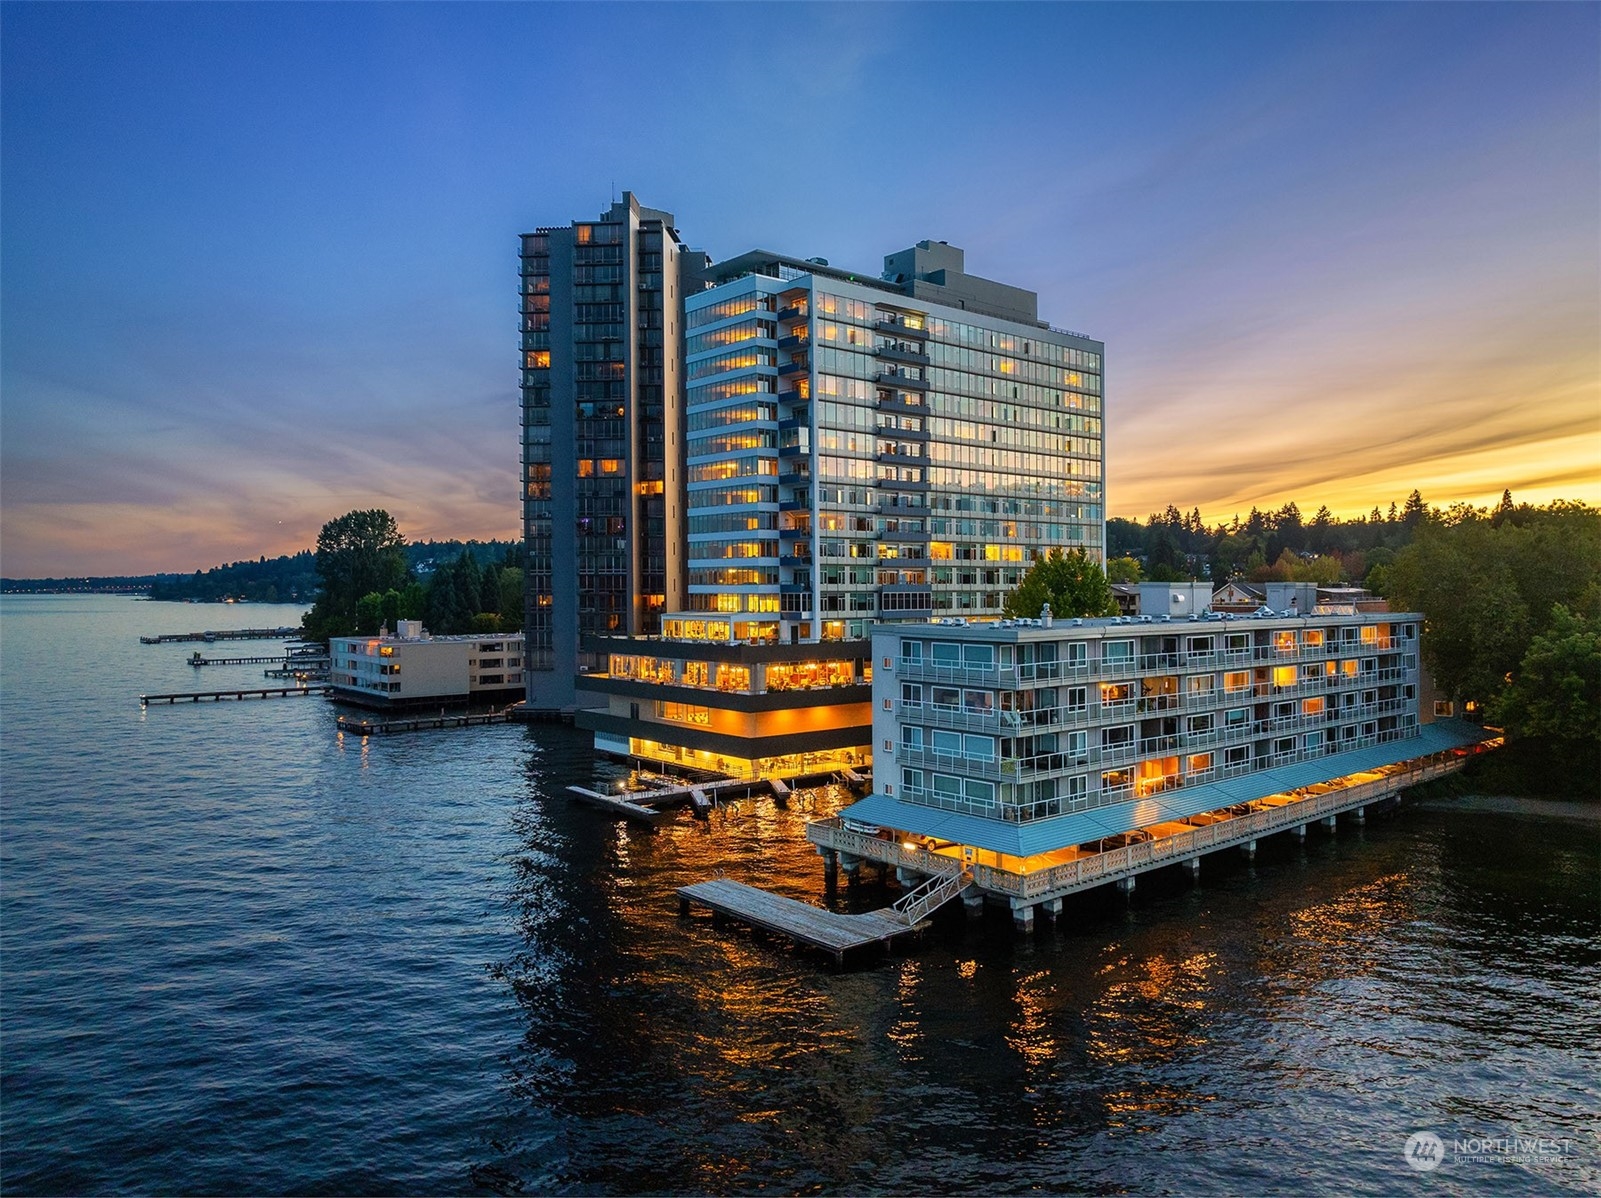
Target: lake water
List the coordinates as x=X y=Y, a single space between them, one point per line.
x=240 y=955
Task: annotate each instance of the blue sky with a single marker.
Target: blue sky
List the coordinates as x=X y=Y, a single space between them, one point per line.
x=259 y=261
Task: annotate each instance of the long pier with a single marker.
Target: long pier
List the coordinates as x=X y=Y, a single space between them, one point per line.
x=246 y=692
x=358 y=726
x=310 y=661
x=223 y=634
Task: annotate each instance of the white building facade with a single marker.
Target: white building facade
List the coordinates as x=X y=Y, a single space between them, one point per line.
x=1041 y=759
x=413 y=668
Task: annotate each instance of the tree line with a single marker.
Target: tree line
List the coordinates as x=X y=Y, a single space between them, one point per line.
x=1277 y=546
x=1510 y=595
x=368 y=582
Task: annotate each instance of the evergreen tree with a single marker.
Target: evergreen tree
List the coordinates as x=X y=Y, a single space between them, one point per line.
x=1072 y=583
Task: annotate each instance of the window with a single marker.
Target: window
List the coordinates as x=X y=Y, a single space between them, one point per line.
x=1284 y=675
x=912 y=779
x=1077 y=698
x=1117 y=653
x=1119 y=737
x=942 y=741
x=1200 y=684
x=912 y=739
x=1443 y=708
x=979 y=748
x=1237 y=755
x=912 y=651
x=1199 y=763
x=944 y=696
x=1313 y=706
x=1200 y=645
x=1200 y=723
x=1236 y=717
x=1078 y=746
x=1113 y=693
x=1237 y=680
x=1078 y=787
x=1077 y=655
x=1115 y=780
x=979 y=792
x=911 y=694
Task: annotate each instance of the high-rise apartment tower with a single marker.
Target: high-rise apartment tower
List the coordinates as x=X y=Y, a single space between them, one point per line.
x=602 y=486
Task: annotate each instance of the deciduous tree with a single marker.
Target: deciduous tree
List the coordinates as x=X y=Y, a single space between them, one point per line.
x=1072 y=583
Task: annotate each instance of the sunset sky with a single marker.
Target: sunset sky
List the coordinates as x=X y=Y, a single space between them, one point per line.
x=260 y=261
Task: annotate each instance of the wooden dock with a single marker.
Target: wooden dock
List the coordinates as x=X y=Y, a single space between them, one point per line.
x=358 y=726
x=223 y=634
x=287 y=660
x=248 y=692
x=801 y=922
x=618 y=805
x=704 y=797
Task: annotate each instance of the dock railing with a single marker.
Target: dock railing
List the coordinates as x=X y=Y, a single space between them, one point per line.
x=1099 y=868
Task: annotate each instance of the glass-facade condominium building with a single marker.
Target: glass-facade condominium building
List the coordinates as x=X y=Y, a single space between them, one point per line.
x=856 y=450
x=601 y=310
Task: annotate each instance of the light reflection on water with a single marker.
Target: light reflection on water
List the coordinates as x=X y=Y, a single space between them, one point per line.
x=242 y=955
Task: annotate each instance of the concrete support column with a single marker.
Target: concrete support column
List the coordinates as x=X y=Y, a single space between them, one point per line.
x=830 y=867
x=852 y=867
x=909 y=879
x=1300 y=833
x=1052 y=907
x=1328 y=822
x=1195 y=868
x=1126 y=885
x=973 y=905
x=1023 y=917
x=1249 y=849
x=1361 y=815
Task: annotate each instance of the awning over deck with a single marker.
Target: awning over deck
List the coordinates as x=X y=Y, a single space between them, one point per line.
x=1060 y=831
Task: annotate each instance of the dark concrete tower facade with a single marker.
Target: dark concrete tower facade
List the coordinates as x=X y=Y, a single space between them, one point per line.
x=602 y=429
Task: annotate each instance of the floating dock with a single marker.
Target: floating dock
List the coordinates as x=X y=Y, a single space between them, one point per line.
x=618 y=805
x=801 y=922
x=223 y=634
x=357 y=726
x=248 y=692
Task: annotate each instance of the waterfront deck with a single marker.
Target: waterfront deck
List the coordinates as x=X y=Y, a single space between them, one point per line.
x=800 y=922
x=1044 y=880
x=618 y=805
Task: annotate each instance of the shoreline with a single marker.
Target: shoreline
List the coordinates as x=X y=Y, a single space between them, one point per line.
x=1488 y=804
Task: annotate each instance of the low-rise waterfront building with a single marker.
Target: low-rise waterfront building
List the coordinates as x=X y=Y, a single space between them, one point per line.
x=411 y=668
x=1041 y=758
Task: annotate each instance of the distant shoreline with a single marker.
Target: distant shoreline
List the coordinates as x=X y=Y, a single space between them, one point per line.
x=1568 y=809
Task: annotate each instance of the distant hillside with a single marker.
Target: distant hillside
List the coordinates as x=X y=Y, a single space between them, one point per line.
x=288 y=579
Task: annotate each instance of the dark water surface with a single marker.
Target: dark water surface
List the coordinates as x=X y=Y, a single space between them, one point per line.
x=238 y=955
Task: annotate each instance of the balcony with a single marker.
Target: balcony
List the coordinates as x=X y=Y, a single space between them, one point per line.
x=793 y=312
x=897 y=378
x=789 y=368
x=786 y=344
x=901 y=352
x=895 y=328
x=891 y=402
